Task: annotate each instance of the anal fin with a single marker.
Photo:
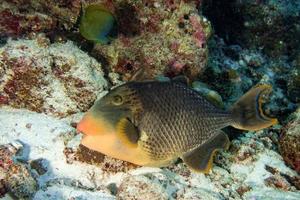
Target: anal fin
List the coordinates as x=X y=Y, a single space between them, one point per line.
x=201 y=158
x=128 y=133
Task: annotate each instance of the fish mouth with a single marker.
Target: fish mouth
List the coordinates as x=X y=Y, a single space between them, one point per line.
x=92 y=124
x=95 y=124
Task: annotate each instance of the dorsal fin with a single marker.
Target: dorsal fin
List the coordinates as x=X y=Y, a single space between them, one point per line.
x=142 y=74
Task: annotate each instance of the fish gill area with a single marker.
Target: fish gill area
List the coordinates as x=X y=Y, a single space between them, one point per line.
x=50 y=75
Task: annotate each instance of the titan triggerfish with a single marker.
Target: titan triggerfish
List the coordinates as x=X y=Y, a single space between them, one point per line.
x=154 y=123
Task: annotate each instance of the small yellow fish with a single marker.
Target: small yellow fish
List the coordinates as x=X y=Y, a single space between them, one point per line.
x=98 y=24
x=153 y=123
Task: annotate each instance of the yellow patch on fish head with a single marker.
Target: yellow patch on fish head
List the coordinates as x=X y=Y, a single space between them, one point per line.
x=104 y=116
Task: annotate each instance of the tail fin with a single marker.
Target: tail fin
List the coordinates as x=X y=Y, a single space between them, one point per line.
x=247 y=112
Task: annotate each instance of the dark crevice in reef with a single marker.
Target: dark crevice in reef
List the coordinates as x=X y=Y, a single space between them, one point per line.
x=225 y=18
x=3 y=40
x=272 y=28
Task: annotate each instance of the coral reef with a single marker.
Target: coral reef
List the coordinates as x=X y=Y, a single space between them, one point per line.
x=56 y=78
x=22 y=17
x=165 y=37
x=289 y=143
x=50 y=75
x=142 y=25
x=268 y=25
x=233 y=70
x=293 y=83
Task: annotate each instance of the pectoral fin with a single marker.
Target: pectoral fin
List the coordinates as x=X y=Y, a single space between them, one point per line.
x=201 y=158
x=127 y=133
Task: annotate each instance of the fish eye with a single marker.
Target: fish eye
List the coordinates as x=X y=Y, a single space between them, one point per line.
x=117 y=100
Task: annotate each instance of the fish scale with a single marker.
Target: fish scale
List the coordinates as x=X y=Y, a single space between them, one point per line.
x=188 y=121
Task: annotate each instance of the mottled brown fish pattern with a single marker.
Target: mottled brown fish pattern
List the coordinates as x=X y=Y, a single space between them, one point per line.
x=153 y=123
x=172 y=110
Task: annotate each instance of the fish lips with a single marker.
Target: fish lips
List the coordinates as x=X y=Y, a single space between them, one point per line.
x=92 y=124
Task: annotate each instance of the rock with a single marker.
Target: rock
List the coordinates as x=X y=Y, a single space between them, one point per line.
x=289 y=143
x=144 y=25
x=265 y=194
x=56 y=79
x=19 y=17
x=40 y=165
x=140 y=187
x=67 y=192
x=20 y=183
x=197 y=194
x=293 y=85
x=15 y=178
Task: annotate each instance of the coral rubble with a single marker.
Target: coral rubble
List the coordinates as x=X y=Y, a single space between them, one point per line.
x=57 y=79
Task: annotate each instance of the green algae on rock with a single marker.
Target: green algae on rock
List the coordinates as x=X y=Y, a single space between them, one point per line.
x=98 y=24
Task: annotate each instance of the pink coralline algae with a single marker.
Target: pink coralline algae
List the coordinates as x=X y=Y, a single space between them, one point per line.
x=165 y=37
x=19 y=17
x=199 y=34
x=14 y=24
x=48 y=78
x=289 y=143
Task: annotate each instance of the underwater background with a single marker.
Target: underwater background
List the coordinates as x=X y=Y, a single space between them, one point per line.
x=58 y=57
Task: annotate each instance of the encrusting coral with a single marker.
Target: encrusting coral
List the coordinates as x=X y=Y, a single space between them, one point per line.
x=289 y=143
x=57 y=79
x=166 y=37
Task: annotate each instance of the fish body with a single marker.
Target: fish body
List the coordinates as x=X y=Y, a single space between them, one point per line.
x=153 y=123
x=98 y=24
